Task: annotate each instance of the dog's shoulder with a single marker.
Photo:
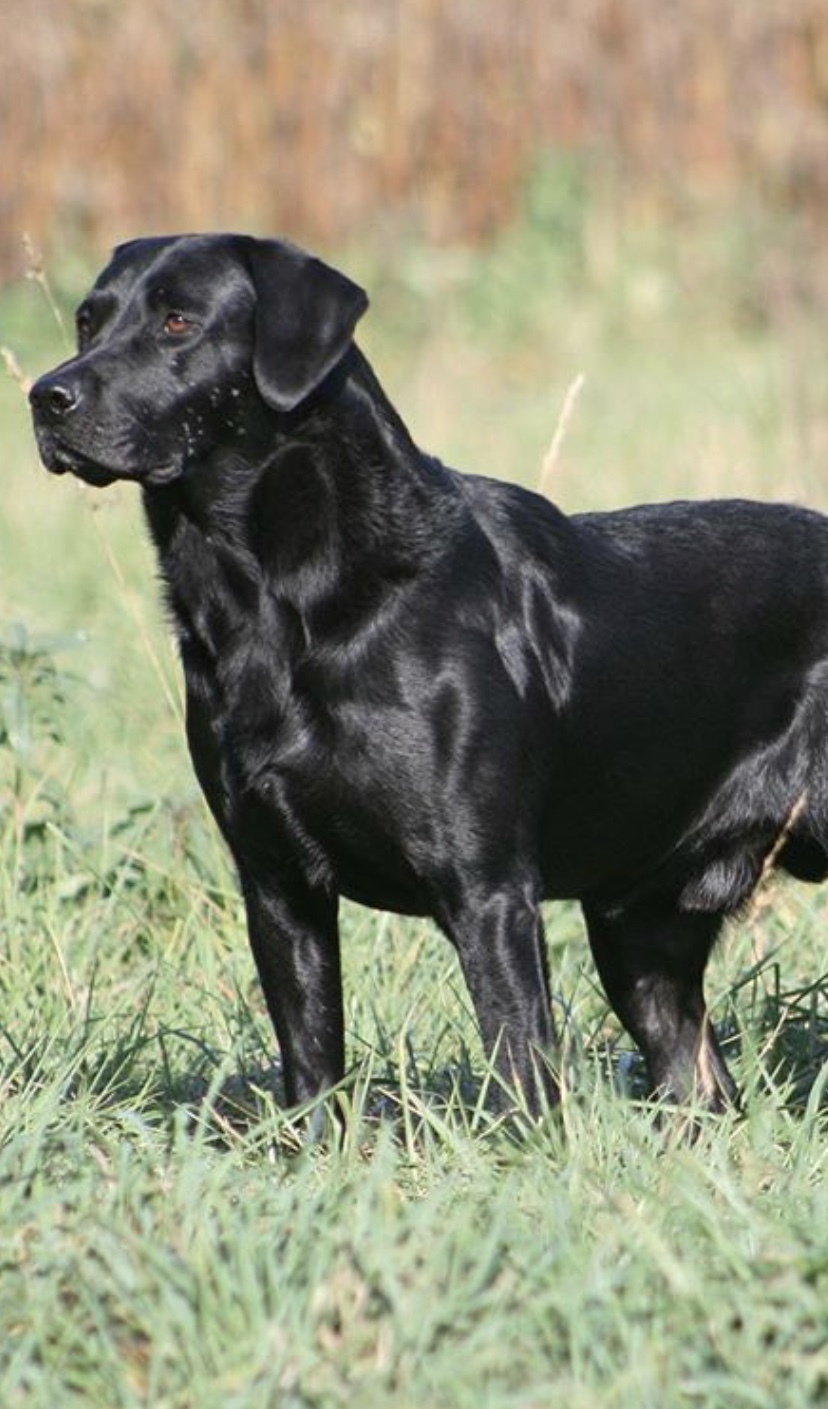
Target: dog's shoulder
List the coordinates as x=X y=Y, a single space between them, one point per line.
x=523 y=527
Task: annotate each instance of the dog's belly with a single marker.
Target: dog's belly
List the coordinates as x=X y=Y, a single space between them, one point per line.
x=704 y=848
x=370 y=865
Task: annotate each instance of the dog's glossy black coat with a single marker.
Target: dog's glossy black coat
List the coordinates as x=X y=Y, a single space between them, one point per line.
x=435 y=693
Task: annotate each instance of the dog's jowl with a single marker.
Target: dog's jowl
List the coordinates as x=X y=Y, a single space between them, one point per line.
x=434 y=693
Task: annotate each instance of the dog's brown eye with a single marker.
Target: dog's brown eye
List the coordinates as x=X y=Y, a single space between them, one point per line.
x=176 y=324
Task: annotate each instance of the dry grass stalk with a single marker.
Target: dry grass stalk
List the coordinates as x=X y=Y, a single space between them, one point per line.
x=14 y=370
x=550 y=459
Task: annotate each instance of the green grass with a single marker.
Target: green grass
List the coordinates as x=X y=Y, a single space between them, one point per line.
x=167 y=1240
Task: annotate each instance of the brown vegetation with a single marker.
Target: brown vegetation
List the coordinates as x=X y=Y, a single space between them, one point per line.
x=326 y=119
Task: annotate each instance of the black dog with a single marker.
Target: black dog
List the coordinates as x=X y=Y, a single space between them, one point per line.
x=434 y=693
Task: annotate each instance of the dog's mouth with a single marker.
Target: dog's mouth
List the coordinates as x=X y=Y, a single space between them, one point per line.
x=62 y=463
x=60 y=460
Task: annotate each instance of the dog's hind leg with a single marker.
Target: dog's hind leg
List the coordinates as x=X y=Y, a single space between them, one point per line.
x=651 y=959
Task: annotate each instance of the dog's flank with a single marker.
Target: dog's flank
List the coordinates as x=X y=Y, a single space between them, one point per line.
x=434 y=692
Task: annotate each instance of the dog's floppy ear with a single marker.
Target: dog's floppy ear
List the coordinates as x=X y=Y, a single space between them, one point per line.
x=306 y=313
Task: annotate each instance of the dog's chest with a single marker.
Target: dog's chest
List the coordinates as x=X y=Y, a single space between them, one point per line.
x=305 y=773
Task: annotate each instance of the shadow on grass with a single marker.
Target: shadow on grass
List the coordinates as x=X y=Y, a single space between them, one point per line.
x=775 y=1038
x=787 y=1031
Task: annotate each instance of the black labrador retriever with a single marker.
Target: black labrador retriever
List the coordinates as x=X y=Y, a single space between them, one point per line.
x=433 y=692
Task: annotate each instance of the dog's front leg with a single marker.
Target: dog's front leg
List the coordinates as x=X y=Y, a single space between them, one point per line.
x=295 y=941
x=500 y=941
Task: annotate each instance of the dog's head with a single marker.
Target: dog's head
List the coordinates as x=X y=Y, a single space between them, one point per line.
x=175 y=337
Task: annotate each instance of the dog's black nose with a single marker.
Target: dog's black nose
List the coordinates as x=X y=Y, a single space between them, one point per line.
x=54 y=397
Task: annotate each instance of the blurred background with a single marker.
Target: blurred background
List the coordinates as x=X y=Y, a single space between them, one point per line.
x=551 y=185
x=519 y=169
x=384 y=118
x=627 y=197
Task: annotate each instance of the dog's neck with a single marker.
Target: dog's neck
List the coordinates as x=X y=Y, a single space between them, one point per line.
x=340 y=507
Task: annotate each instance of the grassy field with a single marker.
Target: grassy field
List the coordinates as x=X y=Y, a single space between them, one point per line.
x=166 y=1241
